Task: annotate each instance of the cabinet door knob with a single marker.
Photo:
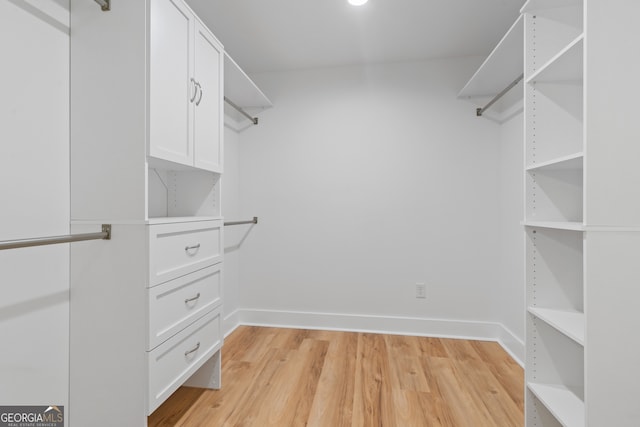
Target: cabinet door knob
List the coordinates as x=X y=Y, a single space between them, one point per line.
x=188 y=300
x=195 y=89
x=201 y=91
x=188 y=352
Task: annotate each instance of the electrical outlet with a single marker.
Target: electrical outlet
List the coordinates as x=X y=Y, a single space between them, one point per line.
x=421 y=290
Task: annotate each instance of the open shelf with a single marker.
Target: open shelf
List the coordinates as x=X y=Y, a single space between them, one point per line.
x=555 y=126
x=182 y=193
x=242 y=91
x=570 y=323
x=551 y=31
x=554 y=271
x=561 y=402
x=554 y=195
x=558 y=225
x=534 y=5
x=565 y=66
x=503 y=66
x=569 y=162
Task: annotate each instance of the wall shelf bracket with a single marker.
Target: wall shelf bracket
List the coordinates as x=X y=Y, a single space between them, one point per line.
x=105 y=5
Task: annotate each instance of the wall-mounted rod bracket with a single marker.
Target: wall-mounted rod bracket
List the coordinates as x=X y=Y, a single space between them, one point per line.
x=250 y=221
x=106 y=228
x=241 y=111
x=479 y=110
x=104 y=4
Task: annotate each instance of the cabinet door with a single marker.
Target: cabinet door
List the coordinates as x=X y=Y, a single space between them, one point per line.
x=171 y=88
x=208 y=104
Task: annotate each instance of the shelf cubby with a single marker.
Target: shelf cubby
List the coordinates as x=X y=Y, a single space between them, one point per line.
x=554 y=195
x=556 y=361
x=554 y=269
x=554 y=127
x=550 y=31
x=183 y=193
x=555 y=405
x=565 y=66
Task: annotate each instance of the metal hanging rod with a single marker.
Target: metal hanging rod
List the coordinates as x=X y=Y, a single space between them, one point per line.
x=104 y=4
x=479 y=111
x=105 y=234
x=241 y=111
x=250 y=221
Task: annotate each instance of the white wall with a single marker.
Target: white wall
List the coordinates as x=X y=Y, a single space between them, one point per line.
x=510 y=294
x=34 y=171
x=368 y=180
x=233 y=236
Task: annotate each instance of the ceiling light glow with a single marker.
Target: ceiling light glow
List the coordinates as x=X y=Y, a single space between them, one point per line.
x=357 y=2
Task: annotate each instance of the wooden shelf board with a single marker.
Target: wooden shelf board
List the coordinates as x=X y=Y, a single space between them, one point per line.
x=565 y=66
x=533 y=5
x=241 y=90
x=559 y=225
x=174 y=219
x=561 y=402
x=569 y=323
x=571 y=161
x=503 y=65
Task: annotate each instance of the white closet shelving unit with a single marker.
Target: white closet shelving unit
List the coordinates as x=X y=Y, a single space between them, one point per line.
x=146 y=156
x=501 y=68
x=582 y=226
x=243 y=92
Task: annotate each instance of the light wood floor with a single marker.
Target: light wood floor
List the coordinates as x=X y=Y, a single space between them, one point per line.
x=287 y=377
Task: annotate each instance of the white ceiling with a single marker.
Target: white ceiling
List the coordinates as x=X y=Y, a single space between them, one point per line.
x=268 y=35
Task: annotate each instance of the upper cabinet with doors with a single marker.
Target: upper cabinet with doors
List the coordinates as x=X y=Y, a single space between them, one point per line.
x=147 y=113
x=185 y=87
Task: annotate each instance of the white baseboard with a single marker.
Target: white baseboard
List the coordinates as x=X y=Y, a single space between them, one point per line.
x=512 y=344
x=462 y=329
x=230 y=322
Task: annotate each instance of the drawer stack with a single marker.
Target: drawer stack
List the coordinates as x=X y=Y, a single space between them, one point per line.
x=184 y=303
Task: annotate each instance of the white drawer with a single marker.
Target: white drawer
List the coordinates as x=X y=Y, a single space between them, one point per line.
x=181 y=248
x=179 y=302
x=171 y=363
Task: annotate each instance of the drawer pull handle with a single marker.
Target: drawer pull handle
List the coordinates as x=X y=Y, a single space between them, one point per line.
x=188 y=300
x=186 y=353
x=188 y=248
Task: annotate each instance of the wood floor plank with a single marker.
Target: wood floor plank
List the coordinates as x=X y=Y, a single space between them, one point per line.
x=182 y=401
x=373 y=401
x=333 y=401
x=465 y=409
x=503 y=367
x=292 y=387
x=287 y=377
x=431 y=346
x=406 y=369
x=489 y=393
